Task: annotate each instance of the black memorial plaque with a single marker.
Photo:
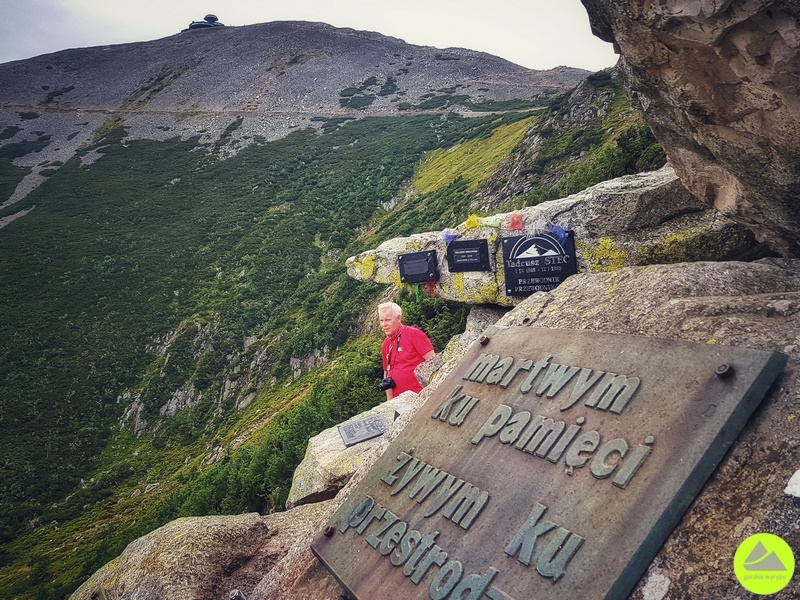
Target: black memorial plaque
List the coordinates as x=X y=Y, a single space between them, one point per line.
x=550 y=464
x=416 y=267
x=537 y=263
x=362 y=429
x=468 y=255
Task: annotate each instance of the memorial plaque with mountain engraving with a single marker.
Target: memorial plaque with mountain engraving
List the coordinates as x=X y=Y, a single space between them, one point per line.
x=537 y=263
x=550 y=464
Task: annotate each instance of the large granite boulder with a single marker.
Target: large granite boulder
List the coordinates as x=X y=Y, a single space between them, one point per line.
x=752 y=305
x=209 y=558
x=640 y=219
x=328 y=464
x=719 y=83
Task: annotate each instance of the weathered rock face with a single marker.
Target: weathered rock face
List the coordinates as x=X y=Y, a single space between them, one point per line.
x=719 y=83
x=201 y=557
x=639 y=219
x=751 y=305
x=328 y=464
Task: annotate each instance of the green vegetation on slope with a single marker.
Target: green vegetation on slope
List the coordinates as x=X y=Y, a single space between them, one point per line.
x=571 y=156
x=159 y=269
x=474 y=160
x=143 y=273
x=11 y=175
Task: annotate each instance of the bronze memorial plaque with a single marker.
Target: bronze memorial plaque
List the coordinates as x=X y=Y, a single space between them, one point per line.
x=549 y=464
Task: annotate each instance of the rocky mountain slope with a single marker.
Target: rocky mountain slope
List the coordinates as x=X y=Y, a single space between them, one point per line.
x=272 y=67
x=245 y=83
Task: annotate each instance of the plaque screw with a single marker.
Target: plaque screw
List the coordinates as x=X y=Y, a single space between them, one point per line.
x=484 y=340
x=329 y=531
x=724 y=371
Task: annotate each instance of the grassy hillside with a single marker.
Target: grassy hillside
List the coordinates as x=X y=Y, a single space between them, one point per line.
x=161 y=277
x=144 y=273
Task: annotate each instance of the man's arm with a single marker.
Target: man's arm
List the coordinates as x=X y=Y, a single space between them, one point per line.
x=429 y=355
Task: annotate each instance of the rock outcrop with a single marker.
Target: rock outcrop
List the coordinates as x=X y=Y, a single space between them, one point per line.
x=202 y=557
x=752 y=305
x=719 y=83
x=329 y=464
x=634 y=220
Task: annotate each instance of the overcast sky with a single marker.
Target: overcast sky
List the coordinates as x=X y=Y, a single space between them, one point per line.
x=539 y=34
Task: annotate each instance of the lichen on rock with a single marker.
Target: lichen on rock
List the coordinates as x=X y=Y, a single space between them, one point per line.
x=646 y=218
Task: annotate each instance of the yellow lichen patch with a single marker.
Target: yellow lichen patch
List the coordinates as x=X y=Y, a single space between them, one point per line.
x=682 y=246
x=488 y=292
x=394 y=279
x=605 y=257
x=366 y=267
x=457 y=281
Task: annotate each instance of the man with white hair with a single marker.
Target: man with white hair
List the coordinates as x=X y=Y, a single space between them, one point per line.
x=404 y=348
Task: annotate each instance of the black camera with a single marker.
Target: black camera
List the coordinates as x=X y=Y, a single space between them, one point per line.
x=387 y=384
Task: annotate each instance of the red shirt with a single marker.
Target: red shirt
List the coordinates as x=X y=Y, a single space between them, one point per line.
x=402 y=353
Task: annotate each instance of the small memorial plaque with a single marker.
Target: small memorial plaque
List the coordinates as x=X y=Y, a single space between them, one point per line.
x=416 y=267
x=468 y=255
x=550 y=464
x=361 y=430
x=537 y=263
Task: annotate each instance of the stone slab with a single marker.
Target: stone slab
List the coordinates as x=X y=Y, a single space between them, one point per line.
x=550 y=464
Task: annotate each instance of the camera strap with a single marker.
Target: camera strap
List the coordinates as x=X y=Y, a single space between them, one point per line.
x=391 y=353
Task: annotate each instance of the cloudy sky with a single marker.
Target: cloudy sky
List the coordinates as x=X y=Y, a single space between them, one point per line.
x=539 y=34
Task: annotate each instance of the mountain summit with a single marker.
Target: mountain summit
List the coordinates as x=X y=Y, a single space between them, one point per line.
x=281 y=66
